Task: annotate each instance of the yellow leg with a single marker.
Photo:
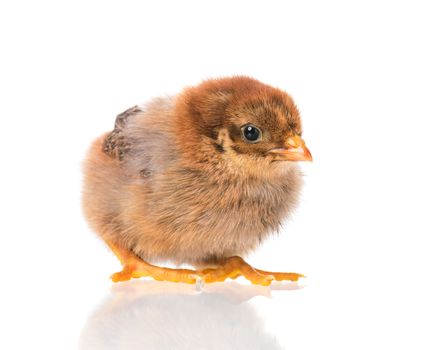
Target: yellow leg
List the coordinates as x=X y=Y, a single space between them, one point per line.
x=135 y=267
x=235 y=266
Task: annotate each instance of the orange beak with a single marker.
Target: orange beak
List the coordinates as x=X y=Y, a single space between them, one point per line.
x=295 y=150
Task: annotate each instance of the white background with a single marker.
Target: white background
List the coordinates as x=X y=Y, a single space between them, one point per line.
x=368 y=80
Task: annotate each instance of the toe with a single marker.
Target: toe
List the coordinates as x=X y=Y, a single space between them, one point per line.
x=121 y=276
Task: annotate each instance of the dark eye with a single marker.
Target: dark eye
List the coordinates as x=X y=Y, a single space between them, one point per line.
x=251 y=133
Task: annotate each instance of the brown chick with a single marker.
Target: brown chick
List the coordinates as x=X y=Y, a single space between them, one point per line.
x=200 y=178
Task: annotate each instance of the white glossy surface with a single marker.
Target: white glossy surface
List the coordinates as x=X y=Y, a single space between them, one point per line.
x=368 y=79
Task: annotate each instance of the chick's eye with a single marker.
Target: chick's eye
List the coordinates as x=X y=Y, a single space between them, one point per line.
x=252 y=133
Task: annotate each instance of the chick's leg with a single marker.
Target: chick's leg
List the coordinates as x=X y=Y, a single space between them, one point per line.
x=235 y=266
x=135 y=267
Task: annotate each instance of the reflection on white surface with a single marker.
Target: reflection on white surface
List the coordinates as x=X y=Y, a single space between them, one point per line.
x=161 y=315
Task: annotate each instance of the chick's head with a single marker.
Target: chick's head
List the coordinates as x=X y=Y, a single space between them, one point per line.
x=242 y=122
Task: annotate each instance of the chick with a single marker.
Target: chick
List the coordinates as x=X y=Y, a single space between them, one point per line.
x=200 y=178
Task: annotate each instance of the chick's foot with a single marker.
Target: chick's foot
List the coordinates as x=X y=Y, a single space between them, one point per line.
x=235 y=266
x=143 y=269
x=135 y=267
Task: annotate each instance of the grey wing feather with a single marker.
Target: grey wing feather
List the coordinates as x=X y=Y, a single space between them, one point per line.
x=115 y=144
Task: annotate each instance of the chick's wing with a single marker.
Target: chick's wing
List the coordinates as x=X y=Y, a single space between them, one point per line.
x=115 y=144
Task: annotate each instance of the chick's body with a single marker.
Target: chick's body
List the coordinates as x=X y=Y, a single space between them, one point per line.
x=178 y=181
